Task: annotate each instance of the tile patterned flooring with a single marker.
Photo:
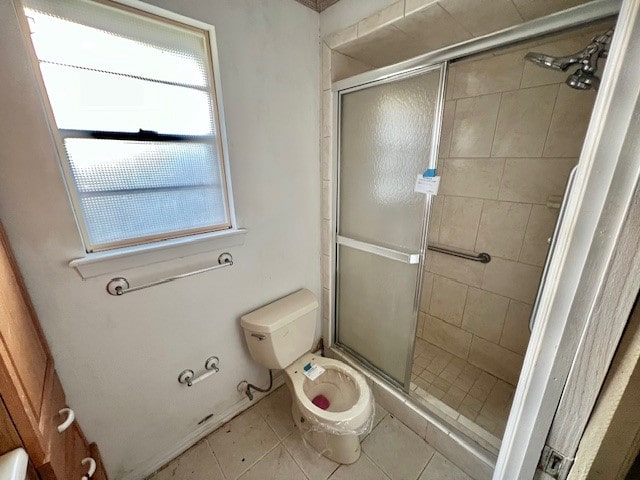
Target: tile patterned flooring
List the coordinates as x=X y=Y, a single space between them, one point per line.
x=263 y=443
x=459 y=388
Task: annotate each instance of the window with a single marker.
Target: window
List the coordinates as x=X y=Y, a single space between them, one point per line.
x=133 y=98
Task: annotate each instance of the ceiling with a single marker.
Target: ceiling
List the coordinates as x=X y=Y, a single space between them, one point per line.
x=317 y=5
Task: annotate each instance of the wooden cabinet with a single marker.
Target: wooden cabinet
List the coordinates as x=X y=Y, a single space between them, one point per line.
x=55 y=465
x=24 y=359
x=31 y=395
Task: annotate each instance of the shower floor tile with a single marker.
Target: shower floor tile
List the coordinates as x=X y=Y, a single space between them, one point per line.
x=391 y=451
x=456 y=387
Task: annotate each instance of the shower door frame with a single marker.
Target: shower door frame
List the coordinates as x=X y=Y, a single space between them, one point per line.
x=338 y=240
x=542 y=382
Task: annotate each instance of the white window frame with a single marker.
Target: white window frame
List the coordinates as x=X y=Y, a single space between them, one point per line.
x=158 y=248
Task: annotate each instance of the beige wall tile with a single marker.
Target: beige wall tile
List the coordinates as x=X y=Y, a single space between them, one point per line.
x=530 y=9
x=425 y=294
x=341 y=37
x=450 y=82
x=325 y=264
x=431 y=27
x=326 y=200
x=488 y=75
x=326 y=303
x=484 y=16
x=515 y=334
x=474 y=125
x=447 y=128
x=447 y=300
x=539 y=229
x=460 y=219
x=326 y=164
x=533 y=180
x=343 y=66
x=512 y=279
x=496 y=360
x=384 y=46
x=502 y=228
x=327 y=109
x=523 y=122
x=569 y=122
x=326 y=66
x=472 y=177
x=459 y=269
x=383 y=17
x=325 y=237
x=422 y=317
x=433 y=235
x=412 y=5
x=484 y=314
x=448 y=337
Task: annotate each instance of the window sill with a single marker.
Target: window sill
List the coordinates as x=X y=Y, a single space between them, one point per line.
x=95 y=264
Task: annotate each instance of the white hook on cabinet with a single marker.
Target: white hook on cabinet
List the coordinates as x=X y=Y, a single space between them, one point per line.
x=92 y=467
x=71 y=416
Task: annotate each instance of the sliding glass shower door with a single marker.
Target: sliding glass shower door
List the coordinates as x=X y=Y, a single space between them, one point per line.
x=388 y=133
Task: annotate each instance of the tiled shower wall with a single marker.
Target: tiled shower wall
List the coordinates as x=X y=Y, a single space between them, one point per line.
x=511 y=134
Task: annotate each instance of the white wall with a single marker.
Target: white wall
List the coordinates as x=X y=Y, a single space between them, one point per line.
x=119 y=358
x=347 y=12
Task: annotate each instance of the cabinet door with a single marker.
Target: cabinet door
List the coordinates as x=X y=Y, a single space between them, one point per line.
x=77 y=450
x=101 y=473
x=32 y=474
x=55 y=466
x=24 y=357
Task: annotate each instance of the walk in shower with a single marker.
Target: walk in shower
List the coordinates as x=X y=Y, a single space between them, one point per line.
x=434 y=293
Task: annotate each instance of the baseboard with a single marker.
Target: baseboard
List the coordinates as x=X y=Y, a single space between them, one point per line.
x=150 y=466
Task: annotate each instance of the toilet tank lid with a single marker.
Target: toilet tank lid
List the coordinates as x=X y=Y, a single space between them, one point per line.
x=277 y=314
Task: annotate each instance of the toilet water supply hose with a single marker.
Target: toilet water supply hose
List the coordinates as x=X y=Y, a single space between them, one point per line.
x=258 y=389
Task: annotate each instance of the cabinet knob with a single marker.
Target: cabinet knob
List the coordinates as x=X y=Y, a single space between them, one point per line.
x=71 y=416
x=92 y=467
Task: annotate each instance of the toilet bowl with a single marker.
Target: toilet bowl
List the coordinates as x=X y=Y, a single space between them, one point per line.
x=333 y=431
x=332 y=403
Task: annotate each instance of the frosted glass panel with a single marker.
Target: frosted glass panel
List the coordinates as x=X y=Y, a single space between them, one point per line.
x=131 y=189
x=385 y=142
x=376 y=309
x=386 y=136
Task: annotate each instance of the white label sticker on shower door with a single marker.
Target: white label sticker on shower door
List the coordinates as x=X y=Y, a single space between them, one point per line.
x=427 y=185
x=313 y=371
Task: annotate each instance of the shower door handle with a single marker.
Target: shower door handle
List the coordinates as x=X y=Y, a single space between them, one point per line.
x=553 y=241
x=397 y=255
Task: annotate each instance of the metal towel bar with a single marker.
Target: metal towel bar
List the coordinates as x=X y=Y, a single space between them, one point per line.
x=120 y=285
x=478 y=257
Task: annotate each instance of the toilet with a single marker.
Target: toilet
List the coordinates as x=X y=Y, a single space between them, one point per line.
x=332 y=403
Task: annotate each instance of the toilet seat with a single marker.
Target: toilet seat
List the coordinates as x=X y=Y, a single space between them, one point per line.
x=351 y=420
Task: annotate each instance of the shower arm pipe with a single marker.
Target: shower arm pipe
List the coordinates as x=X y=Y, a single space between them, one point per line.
x=482 y=257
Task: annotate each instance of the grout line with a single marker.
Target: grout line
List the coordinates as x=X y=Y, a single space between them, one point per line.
x=206 y=439
x=553 y=111
x=495 y=127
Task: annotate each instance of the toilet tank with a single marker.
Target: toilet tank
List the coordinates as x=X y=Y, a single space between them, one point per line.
x=281 y=332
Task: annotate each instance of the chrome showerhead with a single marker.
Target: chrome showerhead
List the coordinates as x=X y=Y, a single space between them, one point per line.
x=584 y=78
